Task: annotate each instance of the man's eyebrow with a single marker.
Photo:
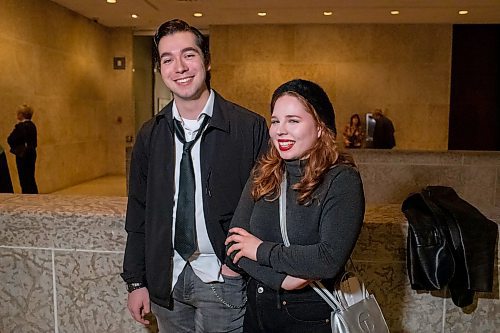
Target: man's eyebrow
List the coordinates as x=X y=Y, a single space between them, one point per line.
x=187 y=49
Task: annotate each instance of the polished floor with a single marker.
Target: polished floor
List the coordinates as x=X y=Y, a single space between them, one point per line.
x=103 y=186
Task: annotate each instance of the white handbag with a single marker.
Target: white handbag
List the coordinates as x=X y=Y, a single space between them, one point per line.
x=354 y=309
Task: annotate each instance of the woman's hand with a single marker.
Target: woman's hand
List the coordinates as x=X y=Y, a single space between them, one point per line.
x=244 y=242
x=292 y=283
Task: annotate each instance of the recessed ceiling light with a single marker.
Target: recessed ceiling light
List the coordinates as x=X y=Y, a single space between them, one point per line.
x=262 y=13
x=134 y=16
x=463 y=12
x=197 y=14
x=111 y=1
x=394 y=12
x=327 y=13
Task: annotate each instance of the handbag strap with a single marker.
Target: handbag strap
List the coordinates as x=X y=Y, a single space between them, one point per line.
x=282 y=199
x=317 y=286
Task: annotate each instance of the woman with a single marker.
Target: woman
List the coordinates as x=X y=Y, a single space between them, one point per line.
x=353 y=133
x=324 y=211
x=23 y=141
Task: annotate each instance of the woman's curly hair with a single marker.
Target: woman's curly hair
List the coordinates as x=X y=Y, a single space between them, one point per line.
x=269 y=170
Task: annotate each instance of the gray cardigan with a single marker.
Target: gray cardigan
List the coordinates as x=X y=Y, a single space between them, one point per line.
x=322 y=235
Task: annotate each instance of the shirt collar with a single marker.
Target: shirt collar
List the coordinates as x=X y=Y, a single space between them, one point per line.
x=208 y=109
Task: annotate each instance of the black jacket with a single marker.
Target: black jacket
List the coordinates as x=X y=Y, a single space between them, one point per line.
x=450 y=243
x=230 y=145
x=5 y=181
x=383 y=134
x=23 y=139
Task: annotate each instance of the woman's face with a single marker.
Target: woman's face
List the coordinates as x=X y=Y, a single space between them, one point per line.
x=355 y=121
x=293 y=130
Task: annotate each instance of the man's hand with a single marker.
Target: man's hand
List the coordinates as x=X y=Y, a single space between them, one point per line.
x=139 y=305
x=226 y=271
x=292 y=283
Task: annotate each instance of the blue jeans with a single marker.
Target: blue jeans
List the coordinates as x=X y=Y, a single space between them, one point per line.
x=203 y=307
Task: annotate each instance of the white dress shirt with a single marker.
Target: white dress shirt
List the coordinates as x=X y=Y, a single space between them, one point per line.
x=204 y=262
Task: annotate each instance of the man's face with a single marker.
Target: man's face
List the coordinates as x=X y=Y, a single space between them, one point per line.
x=182 y=65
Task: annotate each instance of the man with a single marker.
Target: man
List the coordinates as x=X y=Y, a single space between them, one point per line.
x=187 y=286
x=23 y=143
x=383 y=134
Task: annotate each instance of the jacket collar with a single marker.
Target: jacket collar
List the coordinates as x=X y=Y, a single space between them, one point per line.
x=219 y=117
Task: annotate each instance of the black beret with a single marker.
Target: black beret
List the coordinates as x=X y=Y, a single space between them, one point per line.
x=312 y=93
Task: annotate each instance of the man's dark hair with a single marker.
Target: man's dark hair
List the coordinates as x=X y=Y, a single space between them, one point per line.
x=173 y=26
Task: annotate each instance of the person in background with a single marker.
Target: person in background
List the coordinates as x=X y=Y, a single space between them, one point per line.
x=353 y=133
x=5 y=181
x=189 y=165
x=324 y=214
x=383 y=134
x=23 y=143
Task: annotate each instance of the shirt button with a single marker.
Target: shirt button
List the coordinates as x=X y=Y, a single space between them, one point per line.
x=260 y=290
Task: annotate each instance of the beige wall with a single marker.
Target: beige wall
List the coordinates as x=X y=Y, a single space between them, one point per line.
x=403 y=69
x=61 y=64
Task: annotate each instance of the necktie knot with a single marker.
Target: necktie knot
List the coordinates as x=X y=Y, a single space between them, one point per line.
x=188 y=145
x=179 y=132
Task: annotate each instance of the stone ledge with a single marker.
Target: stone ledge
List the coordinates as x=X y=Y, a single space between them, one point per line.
x=70 y=248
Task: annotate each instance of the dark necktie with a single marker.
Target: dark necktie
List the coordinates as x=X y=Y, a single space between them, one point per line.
x=185 y=224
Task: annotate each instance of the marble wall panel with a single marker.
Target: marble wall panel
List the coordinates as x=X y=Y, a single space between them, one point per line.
x=25 y=230
x=5 y=196
x=406 y=157
x=401 y=180
x=64 y=222
x=431 y=117
x=361 y=87
x=258 y=76
x=13 y=79
x=404 y=309
x=323 y=73
x=254 y=43
x=67 y=77
x=387 y=213
x=497 y=189
x=381 y=243
x=26 y=291
x=338 y=43
x=404 y=69
x=91 y=296
x=481 y=317
x=93 y=233
x=479 y=185
x=42 y=205
x=482 y=158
